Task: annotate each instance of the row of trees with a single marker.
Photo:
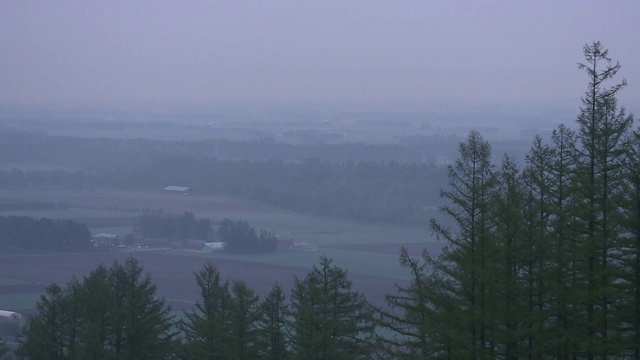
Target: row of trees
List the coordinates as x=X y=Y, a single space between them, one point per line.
x=47 y=234
x=240 y=237
x=176 y=227
x=544 y=261
x=114 y=313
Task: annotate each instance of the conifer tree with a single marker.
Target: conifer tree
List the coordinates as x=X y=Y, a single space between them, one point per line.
x=72 y=312
x=96 y=298
x=630 y=312
x=466 y=265
x=43 y=334
x=329 y=320
x=81 y=321
x=512 y=261
x=409 y=318
x=599 y=173
x=245 y=314
x=146 y=324
x=207 y=327
x=272 y=339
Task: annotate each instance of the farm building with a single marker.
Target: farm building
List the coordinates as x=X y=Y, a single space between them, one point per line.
x=215 y=246
x=298 y=246
x=106 y=240
x=177 y=189
x=285 y=244
x=142 y=241
x=195 y=245
x=304 y=246
x=10 y=315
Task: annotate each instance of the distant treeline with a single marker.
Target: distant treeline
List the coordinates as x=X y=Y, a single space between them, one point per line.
x=240 y=237
x=176 y=227
x=46 y=234
x=385 y=192
x=12 y=205
x=92 y=154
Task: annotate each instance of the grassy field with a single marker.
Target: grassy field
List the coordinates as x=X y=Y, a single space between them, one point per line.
x=5 y=282
x=19 y=301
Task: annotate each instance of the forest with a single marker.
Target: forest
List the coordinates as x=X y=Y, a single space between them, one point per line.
x=542 y=261
x=44 y=234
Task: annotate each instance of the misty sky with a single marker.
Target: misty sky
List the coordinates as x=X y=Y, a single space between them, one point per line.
x=287 y=52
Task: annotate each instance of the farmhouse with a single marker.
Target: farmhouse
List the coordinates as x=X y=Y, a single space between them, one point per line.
x=106 y=240
x=177 y=189
x=285 y=244
x=195 y=245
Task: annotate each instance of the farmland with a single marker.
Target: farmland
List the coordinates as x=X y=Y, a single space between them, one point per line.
x=368 y=251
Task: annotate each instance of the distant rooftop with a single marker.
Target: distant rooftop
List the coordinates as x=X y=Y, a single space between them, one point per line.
x=177 y=188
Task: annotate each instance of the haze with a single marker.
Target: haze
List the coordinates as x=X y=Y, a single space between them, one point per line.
x=425 y=53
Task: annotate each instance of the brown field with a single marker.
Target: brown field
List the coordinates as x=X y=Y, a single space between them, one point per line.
x=172 y=274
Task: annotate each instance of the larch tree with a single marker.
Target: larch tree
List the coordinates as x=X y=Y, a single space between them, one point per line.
x=329 y=320
x=43 y=337
x=603 y=127
x=272 y=336
x=207 y=328
x=146 y=325
x=415 y=317
x=245 y=314
x=512 y=261
x=466 y=264
x=95 y=295
x=630 y=312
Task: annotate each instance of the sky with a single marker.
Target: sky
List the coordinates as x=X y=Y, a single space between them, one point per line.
x=471 y=53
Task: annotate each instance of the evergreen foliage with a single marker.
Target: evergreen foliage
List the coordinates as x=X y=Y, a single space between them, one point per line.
x=45 y=234
x=272 y=338
x=541 y=262
x=240 y=237
x=207 y=329
x=4 y=350
x=112 y=314
x=329 y=320
x=177 y=227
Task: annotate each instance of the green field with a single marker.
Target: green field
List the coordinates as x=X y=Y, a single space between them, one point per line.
x=19 y=301
x=4 y=282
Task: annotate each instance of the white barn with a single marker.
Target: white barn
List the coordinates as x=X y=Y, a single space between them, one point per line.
x=10 y=315
x=215 y=246
x=177 y=189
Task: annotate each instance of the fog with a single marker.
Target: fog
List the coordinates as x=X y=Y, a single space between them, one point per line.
x=362 y=173
x=368 y=55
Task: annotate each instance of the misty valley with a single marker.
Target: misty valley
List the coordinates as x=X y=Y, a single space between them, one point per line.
x=350 y=236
